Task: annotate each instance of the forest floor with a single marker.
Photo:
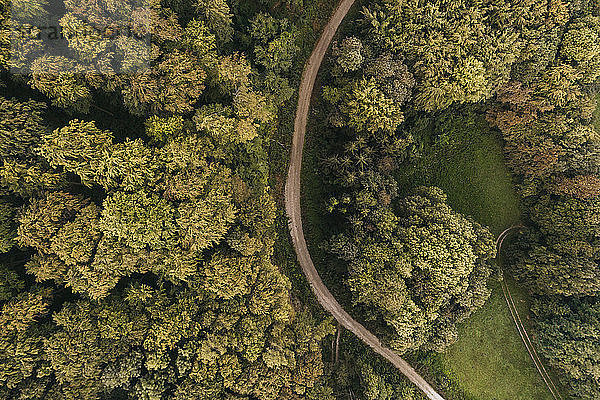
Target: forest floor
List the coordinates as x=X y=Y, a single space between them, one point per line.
x=489 y=360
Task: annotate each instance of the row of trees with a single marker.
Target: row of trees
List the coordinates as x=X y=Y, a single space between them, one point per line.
x=142 y=268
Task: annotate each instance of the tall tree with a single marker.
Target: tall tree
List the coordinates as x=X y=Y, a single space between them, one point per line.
x=139 y=220
x=83 y=149
x=218 y=16
x=21 y=171
x=365 y=107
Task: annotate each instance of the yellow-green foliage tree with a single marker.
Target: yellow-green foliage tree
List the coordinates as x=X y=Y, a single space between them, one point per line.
x=138 y=262
x=418 y=271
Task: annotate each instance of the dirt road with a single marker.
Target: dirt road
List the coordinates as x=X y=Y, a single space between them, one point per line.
x=292 y=205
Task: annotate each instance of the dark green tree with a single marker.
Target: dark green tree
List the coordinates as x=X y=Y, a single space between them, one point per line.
x=217 y=15
x=567 y=335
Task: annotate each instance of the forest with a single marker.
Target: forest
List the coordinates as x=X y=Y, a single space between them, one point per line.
x=137 y=222
x=400 y=78
x=144 y=252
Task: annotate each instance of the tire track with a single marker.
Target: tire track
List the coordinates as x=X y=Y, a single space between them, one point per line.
x=521 y=327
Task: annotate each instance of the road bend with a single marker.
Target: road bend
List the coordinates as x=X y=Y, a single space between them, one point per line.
x=292 y=205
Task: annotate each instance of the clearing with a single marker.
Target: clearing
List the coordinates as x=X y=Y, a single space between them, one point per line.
x=466 y=160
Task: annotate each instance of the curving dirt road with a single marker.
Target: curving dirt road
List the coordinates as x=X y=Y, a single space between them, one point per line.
x=292 y=205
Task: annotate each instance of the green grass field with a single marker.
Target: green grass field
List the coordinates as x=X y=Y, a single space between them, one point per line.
x=468 y=164
x=489 y=360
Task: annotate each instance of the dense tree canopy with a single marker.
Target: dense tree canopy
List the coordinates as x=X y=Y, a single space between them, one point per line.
x=419 y=271
x=137 y=261
x=568 y=332
x=137 y=223
x=459 y=52
x=553 y=147
x=164 y=212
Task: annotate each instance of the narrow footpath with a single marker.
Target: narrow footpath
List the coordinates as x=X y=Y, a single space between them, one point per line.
x=292 y=205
